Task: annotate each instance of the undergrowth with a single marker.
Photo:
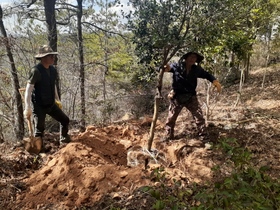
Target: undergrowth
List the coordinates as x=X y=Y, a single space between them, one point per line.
x=243 y=187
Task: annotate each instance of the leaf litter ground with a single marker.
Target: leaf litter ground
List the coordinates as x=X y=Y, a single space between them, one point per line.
x=93 y=170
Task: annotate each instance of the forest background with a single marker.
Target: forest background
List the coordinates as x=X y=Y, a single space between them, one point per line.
x=110 y=51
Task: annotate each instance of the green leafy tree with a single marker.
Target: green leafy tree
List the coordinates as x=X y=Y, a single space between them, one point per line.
x=161 y=30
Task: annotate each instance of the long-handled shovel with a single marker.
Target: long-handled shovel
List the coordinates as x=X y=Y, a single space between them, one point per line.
x=32 y=144
x=147 y=154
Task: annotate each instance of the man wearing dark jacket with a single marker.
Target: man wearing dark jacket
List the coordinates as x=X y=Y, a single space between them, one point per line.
x=42 y=92
x=183 y=94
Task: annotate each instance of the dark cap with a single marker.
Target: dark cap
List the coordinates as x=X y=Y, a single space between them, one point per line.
x=199 y=57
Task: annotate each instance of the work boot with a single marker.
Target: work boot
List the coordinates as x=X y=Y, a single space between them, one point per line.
x=65 y=139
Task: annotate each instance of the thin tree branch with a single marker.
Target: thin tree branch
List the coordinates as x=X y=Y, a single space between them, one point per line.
x=31 y=3
x=104 y=30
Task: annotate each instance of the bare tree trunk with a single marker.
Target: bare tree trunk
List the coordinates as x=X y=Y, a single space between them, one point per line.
x=241 y=83
x=268 y=40
x=158 y=97
x=265 y=72
x=247 y=68
x=49 y=6
x=207 y=104
x=106 y=54
x=82 y=69
x=18 y=109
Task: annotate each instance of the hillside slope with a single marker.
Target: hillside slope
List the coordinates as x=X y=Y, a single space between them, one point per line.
x=105 y=166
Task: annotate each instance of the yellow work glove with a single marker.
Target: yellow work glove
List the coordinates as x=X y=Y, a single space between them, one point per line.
x=58 y=103
x=217 y=85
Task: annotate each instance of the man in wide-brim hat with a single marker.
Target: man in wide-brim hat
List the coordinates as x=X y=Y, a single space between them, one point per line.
x=199 y=57
x=41 y=96
x=183 y=93
x=44 y=51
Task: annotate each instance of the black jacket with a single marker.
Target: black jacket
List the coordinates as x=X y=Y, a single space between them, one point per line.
x=44 y=85
x=186 y=83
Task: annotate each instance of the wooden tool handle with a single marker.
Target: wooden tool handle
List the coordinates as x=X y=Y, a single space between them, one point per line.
x=30 y=127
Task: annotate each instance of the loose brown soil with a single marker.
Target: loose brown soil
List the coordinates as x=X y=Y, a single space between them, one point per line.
x=106 y=166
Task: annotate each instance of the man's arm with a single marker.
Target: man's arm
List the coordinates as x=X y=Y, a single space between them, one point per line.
x=206 y=75
x=56 y=93
x=57 y=100
x=27 y=100
x=34 y=76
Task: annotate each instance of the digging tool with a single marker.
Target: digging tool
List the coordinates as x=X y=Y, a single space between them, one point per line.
x=158 y=97
x=32 y=144
x=148 y=153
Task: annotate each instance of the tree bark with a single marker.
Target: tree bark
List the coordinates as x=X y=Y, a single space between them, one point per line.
x=18 y=108
x=49 y=6
x=82 y=69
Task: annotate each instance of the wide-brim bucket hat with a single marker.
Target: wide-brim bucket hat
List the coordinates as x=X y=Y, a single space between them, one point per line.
x=44 y=51
x=199 y=57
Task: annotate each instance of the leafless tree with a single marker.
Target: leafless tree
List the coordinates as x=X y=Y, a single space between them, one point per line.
x=18 y=122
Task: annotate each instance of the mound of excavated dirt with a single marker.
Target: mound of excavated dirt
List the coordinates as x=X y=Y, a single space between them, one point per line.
x=95 y=163
x=104 y=165
x=92 y=165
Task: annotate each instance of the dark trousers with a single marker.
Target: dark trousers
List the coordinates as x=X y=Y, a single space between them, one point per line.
x=174 y=110
x=39 y=114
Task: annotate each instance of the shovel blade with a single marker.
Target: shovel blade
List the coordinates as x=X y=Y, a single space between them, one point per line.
x=33 y=145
